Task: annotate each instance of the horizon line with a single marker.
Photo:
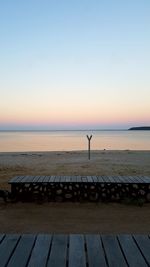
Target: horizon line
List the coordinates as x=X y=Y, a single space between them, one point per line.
x=44 y=130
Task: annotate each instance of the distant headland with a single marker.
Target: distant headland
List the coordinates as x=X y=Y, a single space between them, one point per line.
x=142 y=128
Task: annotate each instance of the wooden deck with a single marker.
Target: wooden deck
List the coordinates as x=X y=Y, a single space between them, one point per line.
x=74 y=250
x=93 y=188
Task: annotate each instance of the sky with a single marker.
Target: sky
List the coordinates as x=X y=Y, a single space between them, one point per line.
x=82 y=64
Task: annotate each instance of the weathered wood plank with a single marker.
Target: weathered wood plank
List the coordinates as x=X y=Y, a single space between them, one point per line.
x=7 y=248
x=26 y=179
x=143 y=243
x=95 y=252
x=22 y=252
x=14 y=179
x=67 y=179
x=117 y=179
x=41 y=179
x=30 y=179
x=121 y=179
x=40 y=251
x=79 y=180
x=35 y=179
x=71 y=179
x=136 y=179
x=46 y=179
x=58 y=254
x=113 y=252
x=95 y=180
x=133 y=179
x=125 y=179
x=57 y=179
x=52 y=179
x=20 y=178
x=145 y=179
x=131 y=251
x=84 y=179
x=62 y=179
x=74 y=179
x=111 y=178
x=141 y=179
x=105 y=179
x=100 y=179
x=76 y=251
x=89 y=179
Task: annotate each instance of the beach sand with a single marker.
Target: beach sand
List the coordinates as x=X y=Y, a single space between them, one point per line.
x=74 y=217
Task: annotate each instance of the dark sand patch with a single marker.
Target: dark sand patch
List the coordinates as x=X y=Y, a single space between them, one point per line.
x=74 y=218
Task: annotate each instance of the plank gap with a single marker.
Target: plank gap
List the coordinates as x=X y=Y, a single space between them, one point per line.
x=140 y=250
x=101 y=240
x=122 y=251
x=50 y=247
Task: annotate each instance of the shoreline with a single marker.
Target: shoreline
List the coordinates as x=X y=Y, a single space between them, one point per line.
x=77 y=150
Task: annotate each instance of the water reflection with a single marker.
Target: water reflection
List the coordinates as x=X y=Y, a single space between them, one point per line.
x=73 y=140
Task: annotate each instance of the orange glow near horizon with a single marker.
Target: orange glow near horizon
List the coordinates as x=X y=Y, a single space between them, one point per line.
x=110 y=119
x=68 y=110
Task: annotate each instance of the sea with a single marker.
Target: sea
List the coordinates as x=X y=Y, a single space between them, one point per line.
x=23 y=141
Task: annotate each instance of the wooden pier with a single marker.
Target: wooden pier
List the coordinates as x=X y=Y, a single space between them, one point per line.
x=77 y=188
x=45 y=250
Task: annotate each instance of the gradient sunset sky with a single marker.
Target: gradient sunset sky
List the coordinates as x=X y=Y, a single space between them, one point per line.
x=74 y=64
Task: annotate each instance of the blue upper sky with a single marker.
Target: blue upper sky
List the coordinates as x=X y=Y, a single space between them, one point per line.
x=74 y=64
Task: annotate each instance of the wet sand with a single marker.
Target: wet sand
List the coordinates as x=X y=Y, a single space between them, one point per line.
x=74 y=217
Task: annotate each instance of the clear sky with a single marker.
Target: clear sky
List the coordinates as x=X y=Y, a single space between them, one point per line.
x=74 y=64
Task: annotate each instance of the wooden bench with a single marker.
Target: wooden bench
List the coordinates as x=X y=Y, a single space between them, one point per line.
x=46 y=250
x=76 y=188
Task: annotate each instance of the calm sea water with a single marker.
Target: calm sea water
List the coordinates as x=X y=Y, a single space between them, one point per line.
x=72 y=140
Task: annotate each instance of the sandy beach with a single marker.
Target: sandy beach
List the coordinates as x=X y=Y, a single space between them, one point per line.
x=73 y=163
x=74 y=217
